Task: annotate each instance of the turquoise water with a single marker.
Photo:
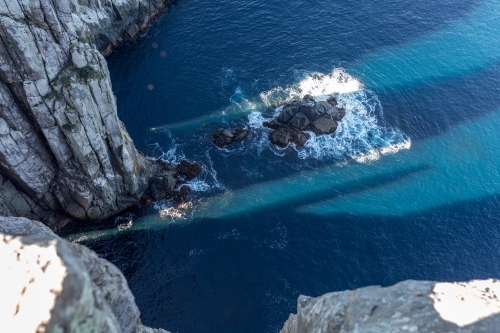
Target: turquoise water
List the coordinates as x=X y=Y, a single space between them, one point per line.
x=408 y=187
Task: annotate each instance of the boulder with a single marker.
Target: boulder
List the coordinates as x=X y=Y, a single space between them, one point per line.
x=326 y=124
x=307 y=114
x=161 y=187
x=332 y=101
x=189 y=170
x=224 y=137
x=182 y=194
x=300 y=121
x=284 y=135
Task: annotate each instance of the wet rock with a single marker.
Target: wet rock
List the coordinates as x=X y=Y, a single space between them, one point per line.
x=299 y=120
x=161 y=187
x=325 y=124
x=332 y=101
x=189 y=170
x=240 y=134
x=224 y=137
x=307 y=114
x=182 y=194
x=284 y=135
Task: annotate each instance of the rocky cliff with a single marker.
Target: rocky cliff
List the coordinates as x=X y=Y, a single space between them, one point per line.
x=409 y=306
x=50 y=285
x=63 y=150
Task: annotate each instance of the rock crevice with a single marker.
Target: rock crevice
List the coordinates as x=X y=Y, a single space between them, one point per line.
x=409 y=306
x=50 y=285
x=62 y=147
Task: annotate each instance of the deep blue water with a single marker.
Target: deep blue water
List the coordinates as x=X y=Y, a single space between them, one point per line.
x=408 y=187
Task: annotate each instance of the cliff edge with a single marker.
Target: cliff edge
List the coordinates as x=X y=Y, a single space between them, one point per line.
x=409 y=306
x=50 y=285
x=63 y=150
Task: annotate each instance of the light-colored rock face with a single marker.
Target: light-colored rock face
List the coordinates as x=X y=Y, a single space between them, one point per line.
x=50 y=285
x=409 y=306
x=63 y=150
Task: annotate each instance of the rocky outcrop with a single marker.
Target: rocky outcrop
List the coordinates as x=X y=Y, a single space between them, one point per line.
x=409 y=306
x=223 y=137
x=305 y=115
x=63 y=150
x=110 y=22
x=50 y=285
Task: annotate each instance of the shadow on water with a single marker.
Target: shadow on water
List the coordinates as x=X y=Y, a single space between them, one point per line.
x=250 y=272
x=202 y=67
x=430 y=212
x=433 y=107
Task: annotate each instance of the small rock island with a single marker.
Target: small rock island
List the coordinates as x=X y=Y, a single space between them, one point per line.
x=299 y=116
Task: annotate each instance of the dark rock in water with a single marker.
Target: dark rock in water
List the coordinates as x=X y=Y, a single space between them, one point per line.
x=161 y=187
x=224 y=137
x=304 y=115
x=183 y=193
x=146 y=200
x=189 y=170
x=299 y=120
x=332 y=101
x=284 y=135
x=325 y=124
x=240 y=134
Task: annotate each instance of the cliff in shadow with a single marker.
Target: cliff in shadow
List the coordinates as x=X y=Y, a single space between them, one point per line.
x=63 y=150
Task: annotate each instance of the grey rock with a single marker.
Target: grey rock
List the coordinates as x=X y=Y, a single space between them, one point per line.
x=325 y=124
x=189 y=170
x=307 y=114
x=50 y=285
x=299 y=120
x=409 y=306
x=286 y=134
x=162 y=186
x=224 y=137
x=63 y=150
x=332 y=101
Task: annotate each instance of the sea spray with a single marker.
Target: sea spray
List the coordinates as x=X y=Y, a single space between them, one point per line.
x=361 y=135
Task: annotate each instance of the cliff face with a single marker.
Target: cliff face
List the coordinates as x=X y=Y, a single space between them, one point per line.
x=63 y=150
x=50 y=285
x=409 y=306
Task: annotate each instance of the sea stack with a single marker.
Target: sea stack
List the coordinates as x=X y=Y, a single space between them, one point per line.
x=299 y=116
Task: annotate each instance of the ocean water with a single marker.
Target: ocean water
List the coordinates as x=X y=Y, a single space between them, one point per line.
x=407 y=188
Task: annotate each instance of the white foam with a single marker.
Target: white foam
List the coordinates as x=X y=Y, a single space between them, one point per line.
x=319 y=85
x=359 y=135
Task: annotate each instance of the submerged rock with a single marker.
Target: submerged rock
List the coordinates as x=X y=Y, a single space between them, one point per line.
x=304 y=115
x=224 y=137
x=409 y=306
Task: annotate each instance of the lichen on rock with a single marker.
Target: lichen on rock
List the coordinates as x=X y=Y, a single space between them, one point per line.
x=409 y=306
x=50 y=285
x=63 y=150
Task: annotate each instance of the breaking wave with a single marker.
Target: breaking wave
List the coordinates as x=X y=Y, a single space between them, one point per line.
x=361 y=134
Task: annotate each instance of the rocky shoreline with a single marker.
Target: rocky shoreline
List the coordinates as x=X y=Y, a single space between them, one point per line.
x=64 y=154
